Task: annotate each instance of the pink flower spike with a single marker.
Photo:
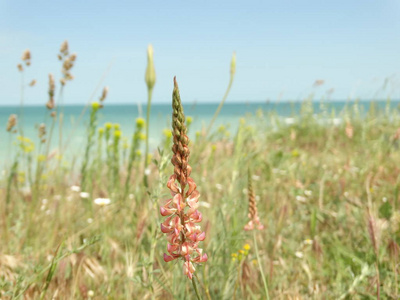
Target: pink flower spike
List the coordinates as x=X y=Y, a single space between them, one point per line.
x=180 y=225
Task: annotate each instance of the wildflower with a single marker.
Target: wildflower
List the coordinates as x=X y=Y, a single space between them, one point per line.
x=150 y=76
x=102 y=201
x=167 y=133
x=181 y=210
x=96 y=106
x=52 y=86
x=301 y=198
x=349 y=130
x=318 y=82
x=253 y=214
x=108 y=125
x=299 y=254
x=104 y=94
x=64 y=47
x=90 y=294
x=246 y=247
x=308 y=193
x=117 y=133
x=189 y=120
x=147 y=171
x=90 y=220
x=75 y=188
x=84 y=195
x=12 y=122
x=26 y=57
x=218 y=186
x=140 y=122
x=233 y=64
x=308 y=242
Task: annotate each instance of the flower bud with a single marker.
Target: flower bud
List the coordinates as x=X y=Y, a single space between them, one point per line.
x=150 y=76
x=233 y=64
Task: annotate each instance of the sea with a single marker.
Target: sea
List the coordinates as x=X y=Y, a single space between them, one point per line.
x=76 y=118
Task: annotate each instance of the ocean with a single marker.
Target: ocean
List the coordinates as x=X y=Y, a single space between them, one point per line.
x=74 y=132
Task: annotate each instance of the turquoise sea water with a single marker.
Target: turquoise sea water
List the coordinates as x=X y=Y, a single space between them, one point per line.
x=74 y=132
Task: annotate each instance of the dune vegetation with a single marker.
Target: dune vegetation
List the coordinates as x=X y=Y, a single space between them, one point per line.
x=306 y=209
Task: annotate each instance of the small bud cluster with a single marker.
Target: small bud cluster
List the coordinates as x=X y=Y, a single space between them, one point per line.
x=254 y=220
x=68 y=62
x=12 y=122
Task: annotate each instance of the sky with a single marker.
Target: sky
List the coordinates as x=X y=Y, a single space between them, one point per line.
x=282 y=48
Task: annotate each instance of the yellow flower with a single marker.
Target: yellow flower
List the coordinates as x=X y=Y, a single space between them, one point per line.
x=142 y=136
x=140 y=122
x=101 y=130
x=167 y=133
x=117 y=133
x=189 y=120
x=138 y=153
x=116 y=126
x=41 y=157
x=295 y=153
x=95 y=105
x=108 y=125
x=246 y=247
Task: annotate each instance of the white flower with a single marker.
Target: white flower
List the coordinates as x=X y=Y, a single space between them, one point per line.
x=384 y=199
x=336 y=121
x=90 y=293
x=147 y=172
x=44 y=201
x=308 y=193
x=255 y=177
x=257 y=197
x=90 y=220
x=102 y=201
x=205 y=204
x=289 y=121
x=57 y=197
x=131 y=196
x=75 y=188
x=346 y=194
x=218 y=186
x=84 y=195
x=301 y=198
x=308 y=242
x=298 y=254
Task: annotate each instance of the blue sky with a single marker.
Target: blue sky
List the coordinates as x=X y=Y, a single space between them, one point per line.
x=282 y=48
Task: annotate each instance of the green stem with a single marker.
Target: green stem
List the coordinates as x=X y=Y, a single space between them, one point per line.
x=195 y=288
x=220 y=105
x=150 y=93
x=259 y=265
